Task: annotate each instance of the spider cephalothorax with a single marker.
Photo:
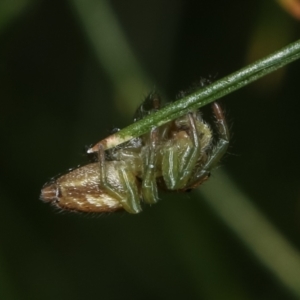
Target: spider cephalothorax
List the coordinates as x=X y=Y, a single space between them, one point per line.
x=177 y=156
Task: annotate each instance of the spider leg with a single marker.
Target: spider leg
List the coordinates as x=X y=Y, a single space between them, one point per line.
x=149 y=186
x=224 y=136
x=130 y=199
x=192 y=157
x=151 y=104
x=217 y=151
x=178 y=162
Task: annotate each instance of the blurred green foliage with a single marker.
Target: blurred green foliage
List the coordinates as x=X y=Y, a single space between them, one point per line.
x=59 y=92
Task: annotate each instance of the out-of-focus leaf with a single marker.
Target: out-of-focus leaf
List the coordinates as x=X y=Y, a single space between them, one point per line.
x=292 y=7
x=252 y=227
x=10 y=10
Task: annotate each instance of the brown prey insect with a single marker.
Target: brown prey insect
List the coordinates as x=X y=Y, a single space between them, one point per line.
x=177 y=156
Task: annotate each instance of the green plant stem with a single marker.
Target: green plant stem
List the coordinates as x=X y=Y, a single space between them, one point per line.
x=234 y=207
x=206 y=95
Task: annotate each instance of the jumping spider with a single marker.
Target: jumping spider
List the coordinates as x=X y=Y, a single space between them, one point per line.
x=177 y=156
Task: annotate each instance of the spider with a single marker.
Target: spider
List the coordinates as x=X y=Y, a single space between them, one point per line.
x=177 y=156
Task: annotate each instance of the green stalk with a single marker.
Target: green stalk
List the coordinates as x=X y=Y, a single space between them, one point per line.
x=205 y=95
x=233 y=206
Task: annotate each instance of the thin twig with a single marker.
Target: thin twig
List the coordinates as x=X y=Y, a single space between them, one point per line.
x=205 y=95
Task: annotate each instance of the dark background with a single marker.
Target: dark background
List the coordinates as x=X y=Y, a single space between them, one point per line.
x=57 y=96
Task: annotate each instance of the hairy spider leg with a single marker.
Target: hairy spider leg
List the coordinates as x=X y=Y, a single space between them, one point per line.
x=151 y=104
x=216 y=153
x=178 y=162
x=130 y=200
x=149 y=185
x=191 y=157
x=223 y=142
